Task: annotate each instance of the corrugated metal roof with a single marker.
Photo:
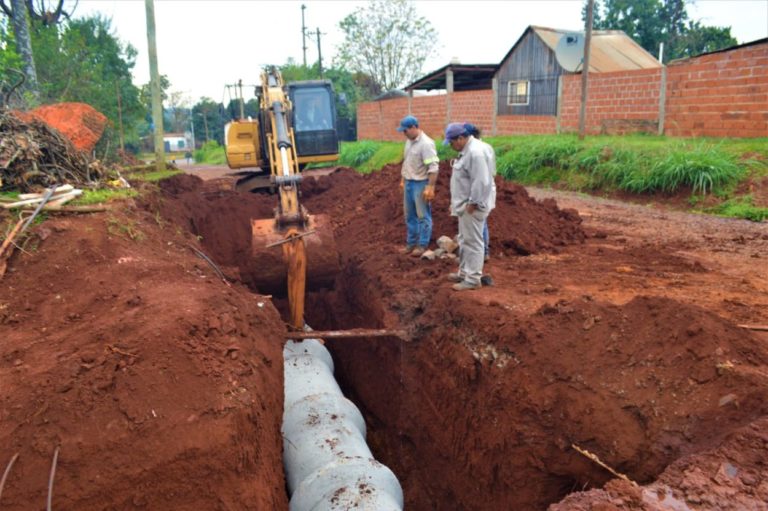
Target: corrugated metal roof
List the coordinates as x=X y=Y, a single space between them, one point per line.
x=465 y=77
x=610 y=50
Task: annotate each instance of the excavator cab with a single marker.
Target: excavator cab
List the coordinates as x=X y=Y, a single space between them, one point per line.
x=314 y=121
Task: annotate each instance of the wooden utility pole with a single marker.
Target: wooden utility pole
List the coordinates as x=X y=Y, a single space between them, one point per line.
x=154 y=75
x=319 y=53
x=303 y=35
x=585 y=69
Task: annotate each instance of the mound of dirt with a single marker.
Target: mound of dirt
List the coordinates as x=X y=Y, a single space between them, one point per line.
x=368 y=209
x=82 y=124
x=152 y=379
x=728 y=478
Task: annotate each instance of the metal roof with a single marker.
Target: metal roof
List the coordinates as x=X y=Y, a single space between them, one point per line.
x=465 y=77
x=610 y=50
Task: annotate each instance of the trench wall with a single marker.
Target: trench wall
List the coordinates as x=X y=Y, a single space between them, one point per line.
x=718 y=95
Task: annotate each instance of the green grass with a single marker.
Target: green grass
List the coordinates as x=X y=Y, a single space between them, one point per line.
x=103 y=196
x=639 y=164
x=740 y=207
x=212 y=153
x=151 y=177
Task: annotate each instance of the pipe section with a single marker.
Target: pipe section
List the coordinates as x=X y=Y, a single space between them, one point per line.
x=328 y=465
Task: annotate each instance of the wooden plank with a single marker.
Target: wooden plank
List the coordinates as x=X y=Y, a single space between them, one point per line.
x=345 y=334
x=762 y=328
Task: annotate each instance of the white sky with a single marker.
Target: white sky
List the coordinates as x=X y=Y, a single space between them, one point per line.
x=204 y=44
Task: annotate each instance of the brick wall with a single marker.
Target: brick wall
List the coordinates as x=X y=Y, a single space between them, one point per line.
x=618 y=102
x=720 y=95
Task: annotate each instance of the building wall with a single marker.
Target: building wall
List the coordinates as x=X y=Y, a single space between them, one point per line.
x=535 y=62
x=620 y=102
x=720 y=95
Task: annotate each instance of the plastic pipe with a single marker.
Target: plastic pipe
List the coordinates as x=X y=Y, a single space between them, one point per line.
x=328 y=465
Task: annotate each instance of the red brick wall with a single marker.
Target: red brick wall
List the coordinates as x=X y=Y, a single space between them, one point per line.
x=617 y=102
x=719 y=95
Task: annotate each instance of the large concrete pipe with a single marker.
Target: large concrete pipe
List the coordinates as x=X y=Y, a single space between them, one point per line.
x=328 y=465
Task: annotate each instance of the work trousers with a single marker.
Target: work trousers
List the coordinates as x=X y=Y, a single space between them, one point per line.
x=418 y=214
x=471 y=245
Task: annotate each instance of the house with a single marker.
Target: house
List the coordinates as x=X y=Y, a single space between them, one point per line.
x=527 y=77
x=178 y=142
x=529 y=73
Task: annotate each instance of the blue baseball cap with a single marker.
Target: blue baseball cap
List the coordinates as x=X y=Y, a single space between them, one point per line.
x=408 y=121
x=453 y=130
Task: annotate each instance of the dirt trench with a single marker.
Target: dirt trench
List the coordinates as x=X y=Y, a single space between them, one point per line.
x=575 y=345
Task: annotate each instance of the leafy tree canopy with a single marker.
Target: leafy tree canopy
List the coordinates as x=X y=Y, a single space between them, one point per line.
x=652 y=22
x=387 y=41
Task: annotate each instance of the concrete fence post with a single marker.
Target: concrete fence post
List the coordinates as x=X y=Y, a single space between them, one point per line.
x=662 y=99
x=559 y=105
x=449 y=96
x=410 y=102
x=495 y=103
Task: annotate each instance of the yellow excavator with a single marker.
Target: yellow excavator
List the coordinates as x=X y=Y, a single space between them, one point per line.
x=296 y=125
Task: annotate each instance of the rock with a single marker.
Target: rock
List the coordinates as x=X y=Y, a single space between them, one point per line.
x=439 y=252
x=428 y=255
x=447 y=244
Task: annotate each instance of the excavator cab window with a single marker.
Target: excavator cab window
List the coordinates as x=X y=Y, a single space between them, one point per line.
x=314 y=118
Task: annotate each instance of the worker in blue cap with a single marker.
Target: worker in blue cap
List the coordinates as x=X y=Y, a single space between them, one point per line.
x=472 y=199
x=417 y=182
x=491 y=155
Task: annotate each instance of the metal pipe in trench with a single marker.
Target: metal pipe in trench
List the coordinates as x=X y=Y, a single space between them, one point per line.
x=328 y=465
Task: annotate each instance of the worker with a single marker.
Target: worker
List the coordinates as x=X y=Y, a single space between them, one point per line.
x=417 y=182
x=491 y=154
x=310 y=116
x=472 y=199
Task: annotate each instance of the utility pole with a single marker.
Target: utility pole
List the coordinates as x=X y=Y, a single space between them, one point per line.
x=242 y=100
x=585 y=69
x=319 y=53
x=303 y=35
x=157 y=104
x=120 y=116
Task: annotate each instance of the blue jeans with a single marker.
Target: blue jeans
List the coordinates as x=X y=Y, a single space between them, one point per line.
x=418 y=214
x=486 y=237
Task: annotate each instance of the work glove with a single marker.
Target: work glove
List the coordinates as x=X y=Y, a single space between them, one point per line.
x=402 y=185
x=428 y=193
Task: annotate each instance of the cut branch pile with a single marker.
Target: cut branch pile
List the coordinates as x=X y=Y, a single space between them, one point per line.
x=35 y=156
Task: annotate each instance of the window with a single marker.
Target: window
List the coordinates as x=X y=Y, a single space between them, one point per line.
x=517 y=93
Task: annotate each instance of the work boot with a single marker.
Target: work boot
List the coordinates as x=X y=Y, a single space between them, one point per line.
x=455 y=277
x=486 y=280
x=418 y=251
x=407 y=249
x=487 y=257
x=465 y=286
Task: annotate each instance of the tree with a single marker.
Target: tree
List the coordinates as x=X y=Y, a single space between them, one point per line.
x=208 y=118
x=82 y=60
x=652 y=22
x=388 y=41
x=17 y=12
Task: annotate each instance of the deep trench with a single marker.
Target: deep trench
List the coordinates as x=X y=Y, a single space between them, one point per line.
x=434 y=415
x=430 y=447
x=462 y=432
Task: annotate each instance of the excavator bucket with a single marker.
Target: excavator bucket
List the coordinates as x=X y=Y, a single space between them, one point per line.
x=268 y=271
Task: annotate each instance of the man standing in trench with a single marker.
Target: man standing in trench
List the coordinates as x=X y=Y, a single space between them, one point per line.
x=472 y=199
x=418 y=178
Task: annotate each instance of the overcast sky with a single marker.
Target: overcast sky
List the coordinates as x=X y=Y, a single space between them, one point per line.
x=204 y=44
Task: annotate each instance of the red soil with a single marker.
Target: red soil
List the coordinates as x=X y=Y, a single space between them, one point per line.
x=82 y=124
x=617 y=334
x=159 y=384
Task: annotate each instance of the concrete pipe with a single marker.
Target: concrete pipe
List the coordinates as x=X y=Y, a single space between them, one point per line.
x=328 y=465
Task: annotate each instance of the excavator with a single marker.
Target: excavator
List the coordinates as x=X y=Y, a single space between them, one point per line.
x=296 y=126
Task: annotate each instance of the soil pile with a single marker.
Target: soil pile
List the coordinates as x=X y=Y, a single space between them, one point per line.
x=369 y=209
x=80 y=123
x=158 y=383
